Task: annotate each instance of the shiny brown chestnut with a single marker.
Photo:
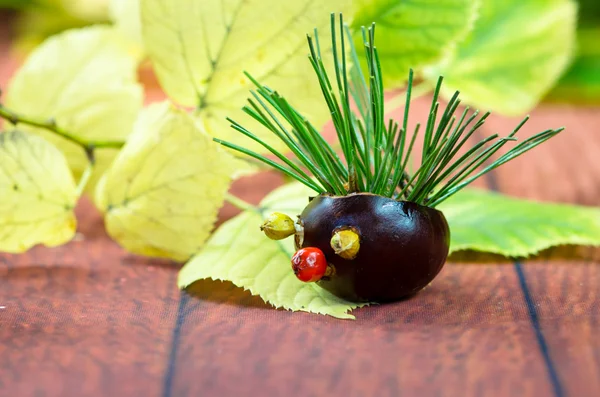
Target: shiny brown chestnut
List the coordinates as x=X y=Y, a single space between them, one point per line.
x=403 y=245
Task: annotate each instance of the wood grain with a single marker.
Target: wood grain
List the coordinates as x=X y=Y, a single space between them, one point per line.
x=85 y=318
x=469 y=332
x=563 y=296
x=89 y=319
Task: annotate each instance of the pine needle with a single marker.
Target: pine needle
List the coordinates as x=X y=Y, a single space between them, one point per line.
x=375 y=153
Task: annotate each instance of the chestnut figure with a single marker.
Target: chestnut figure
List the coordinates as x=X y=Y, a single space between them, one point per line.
x=374 y=220
x=403 y=245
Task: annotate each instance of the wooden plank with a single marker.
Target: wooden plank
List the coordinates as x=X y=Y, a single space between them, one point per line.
x=564 y=169
x=467 y=334
x=563 y=288
x=88 y=317
x=566 y=297
x=85 y=318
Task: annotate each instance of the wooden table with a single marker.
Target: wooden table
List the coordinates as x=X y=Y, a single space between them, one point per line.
x=88 y=319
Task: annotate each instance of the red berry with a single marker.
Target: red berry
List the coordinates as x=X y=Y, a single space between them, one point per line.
x=309 y=264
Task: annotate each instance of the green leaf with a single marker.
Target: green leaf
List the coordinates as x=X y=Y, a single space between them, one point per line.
x=162 y=194
x=38 y=193
x=411 y=34
x=515 y=54
x=240 y=253
x=490 y=222
x=581 y=83
x=200 y=48
x=17 y=4
x=84 y=79
x=479 y=220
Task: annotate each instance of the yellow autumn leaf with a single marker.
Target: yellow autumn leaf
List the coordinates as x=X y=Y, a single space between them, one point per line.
x=37 y=193
x=39 y=19
x=200 y=49
x=84 y=79
x=163 y=191
x=125 y=15
x=239 y=252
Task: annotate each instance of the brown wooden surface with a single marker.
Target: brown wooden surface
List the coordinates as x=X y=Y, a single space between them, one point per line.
x=88 y=319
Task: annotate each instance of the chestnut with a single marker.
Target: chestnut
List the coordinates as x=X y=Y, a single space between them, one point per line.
x=403 y=245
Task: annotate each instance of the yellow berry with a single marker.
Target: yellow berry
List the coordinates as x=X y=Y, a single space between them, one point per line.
x=346 y=243
x=278 y=226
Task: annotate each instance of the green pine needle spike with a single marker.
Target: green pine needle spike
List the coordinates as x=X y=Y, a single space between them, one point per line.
x=376 y=153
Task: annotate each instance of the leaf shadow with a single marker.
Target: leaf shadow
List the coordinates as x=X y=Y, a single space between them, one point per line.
x=225 y=292
x=561 y=253
x=54 y=278
x=163 y=263
x=39 y=270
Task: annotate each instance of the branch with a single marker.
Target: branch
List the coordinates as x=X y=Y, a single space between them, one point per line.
x=50 y=125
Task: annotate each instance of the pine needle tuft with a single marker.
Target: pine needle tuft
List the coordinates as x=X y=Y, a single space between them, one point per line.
x=375 y=152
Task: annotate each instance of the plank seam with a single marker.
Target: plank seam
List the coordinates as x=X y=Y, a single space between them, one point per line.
x=172 y=361
x=539 y=335
x=533 y=315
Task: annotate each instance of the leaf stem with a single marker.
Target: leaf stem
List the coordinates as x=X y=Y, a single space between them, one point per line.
x=239 y=203
x=50 y=125
x=85 y=178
